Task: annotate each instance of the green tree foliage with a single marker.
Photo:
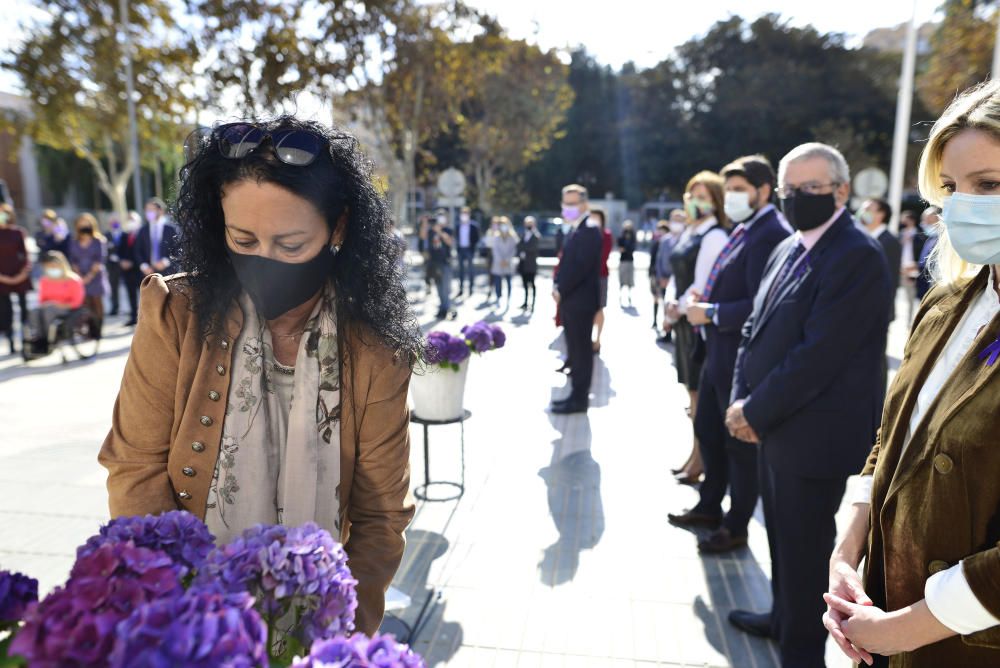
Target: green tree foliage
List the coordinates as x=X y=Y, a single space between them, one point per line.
x=71 y=69
x=961 y=51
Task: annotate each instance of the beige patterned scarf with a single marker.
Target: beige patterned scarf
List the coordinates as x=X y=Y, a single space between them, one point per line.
x=278 y=467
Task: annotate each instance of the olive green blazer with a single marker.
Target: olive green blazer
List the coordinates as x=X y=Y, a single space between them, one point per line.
x=167 y=427
x=940 y=502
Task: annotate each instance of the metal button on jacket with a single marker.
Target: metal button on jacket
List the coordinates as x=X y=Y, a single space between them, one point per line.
x=937 y=566
x=198 y=446
x=221 y=369
x=225 y=345
x=943 y=464
x=188 y=471
x=207 y=421
x=183 y=495
x=213 y=395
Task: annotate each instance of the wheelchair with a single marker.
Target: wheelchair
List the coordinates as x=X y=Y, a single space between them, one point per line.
x=76 y=331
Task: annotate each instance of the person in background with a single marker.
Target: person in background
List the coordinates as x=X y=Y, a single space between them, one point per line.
x=60 y=292
x=45 y=238
x=131 y=275
x=527 y=266
x=655 y=290
x=423 y=247
x=875 y=215
x=692 y=260
x=88 y=254
x=607 y=244
x=488 y=238
x=116 y=239
x=577 y=293
x=807 y=387
x=157 y=240
x=503 y=243
x=468 y=241
x=930 y=224
x=724 y=307
x=660 y=268
x=925 y=517
x=15 y=273
x=912 y=238
x=439 y=246
x=626 y=261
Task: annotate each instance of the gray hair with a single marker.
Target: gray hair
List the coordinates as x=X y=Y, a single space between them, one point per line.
x=839 y=171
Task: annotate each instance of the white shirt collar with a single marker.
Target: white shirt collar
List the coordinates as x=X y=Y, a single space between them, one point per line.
x=877 y=232
x=705 y=225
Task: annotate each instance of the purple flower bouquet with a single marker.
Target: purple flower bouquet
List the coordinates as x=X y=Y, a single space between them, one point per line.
x=449 y=351
x=155 y=592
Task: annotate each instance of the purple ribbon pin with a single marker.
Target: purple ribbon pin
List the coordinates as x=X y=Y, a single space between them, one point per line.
x=991 y=352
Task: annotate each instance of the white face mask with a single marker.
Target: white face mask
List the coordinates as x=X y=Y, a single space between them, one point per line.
x=973 y=223
x=465 y=218
x=505 y=229
x=54 y=272
x=676 y=228
x=738 y=206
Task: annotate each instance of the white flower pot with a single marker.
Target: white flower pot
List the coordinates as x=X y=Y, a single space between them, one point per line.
x=437 y=393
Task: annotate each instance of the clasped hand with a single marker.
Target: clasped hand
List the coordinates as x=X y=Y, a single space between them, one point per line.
x=737 y=424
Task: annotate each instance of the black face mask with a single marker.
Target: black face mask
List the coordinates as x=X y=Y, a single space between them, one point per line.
x=277 y=287
x=807 y=212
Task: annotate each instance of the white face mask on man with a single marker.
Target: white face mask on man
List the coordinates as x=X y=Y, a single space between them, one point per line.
x=738 y=206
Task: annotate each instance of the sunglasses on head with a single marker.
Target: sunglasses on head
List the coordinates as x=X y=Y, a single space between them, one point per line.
x=235 y=141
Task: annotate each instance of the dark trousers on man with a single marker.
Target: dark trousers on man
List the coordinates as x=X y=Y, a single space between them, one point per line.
x=799 y=514
x=132 y=279
x=466 y=268
x=729 y=462
x=114 y=281
x=578 y=324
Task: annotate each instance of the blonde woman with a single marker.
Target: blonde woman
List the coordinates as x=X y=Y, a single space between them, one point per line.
x=503 y=243
x=927 y=517
x=88 y=253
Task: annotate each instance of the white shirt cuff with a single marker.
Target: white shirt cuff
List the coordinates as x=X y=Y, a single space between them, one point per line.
x=863 y=490
x=951 y=601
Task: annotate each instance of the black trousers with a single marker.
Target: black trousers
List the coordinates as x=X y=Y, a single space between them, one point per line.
x=577 y=327
x=114 y=280
x=799 y=513
x=132 y=280
x=729 y=462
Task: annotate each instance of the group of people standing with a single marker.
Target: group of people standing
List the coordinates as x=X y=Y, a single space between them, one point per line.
x=507 y=250
x=79 y=267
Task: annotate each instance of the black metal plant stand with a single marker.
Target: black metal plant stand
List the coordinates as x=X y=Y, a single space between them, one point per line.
x=421 y=492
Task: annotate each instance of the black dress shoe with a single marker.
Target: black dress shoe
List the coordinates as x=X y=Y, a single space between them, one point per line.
x=694 y=518
x=684 y=479
x=569 y=407
x=755 y=623
x=721 y=540
x=565 y=368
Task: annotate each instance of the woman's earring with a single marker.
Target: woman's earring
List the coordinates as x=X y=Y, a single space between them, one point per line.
x=335 y=249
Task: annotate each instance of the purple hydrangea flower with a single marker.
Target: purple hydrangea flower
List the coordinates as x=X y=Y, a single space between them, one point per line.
x=178 y=533
x=479 y=336
x=359 y=651
x=17 y=591
x=288 y=569
x=74 y=625
x=444 y=349
x=201 y=629
x=499 y=338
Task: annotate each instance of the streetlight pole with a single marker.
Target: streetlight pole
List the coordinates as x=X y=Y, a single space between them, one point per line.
x=904 y=102
x=123 y=25
x=995 y=72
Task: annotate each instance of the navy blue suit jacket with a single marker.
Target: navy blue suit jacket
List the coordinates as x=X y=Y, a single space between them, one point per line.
x=578 y=279
x=733 y=292
x=810 y=363
x=143 y=248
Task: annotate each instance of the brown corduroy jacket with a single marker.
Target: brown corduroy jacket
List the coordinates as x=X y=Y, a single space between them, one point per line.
x=940 y=502
x=167 y=428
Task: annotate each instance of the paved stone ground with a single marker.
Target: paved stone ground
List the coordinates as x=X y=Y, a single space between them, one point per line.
x=559 y=553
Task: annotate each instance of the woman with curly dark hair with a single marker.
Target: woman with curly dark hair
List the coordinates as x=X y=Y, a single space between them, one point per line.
x=268 y=383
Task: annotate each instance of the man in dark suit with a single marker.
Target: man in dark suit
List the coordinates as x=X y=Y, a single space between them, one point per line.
x=131 y=275
x=116 y=239
x=875 y=216
x=721 y=313
x=466 y=242
x=808 y=389
x=577 y=291
x=157 y=240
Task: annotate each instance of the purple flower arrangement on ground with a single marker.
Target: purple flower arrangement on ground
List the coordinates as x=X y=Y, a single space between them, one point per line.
x=449 y=351
x=155 y=592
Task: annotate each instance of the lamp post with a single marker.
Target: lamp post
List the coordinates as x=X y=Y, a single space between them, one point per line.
x=904 y=102
x=130 y=94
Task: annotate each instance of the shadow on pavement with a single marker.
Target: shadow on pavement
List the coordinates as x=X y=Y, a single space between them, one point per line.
x=29 y=369
x=573 y=482
x=436 y=640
